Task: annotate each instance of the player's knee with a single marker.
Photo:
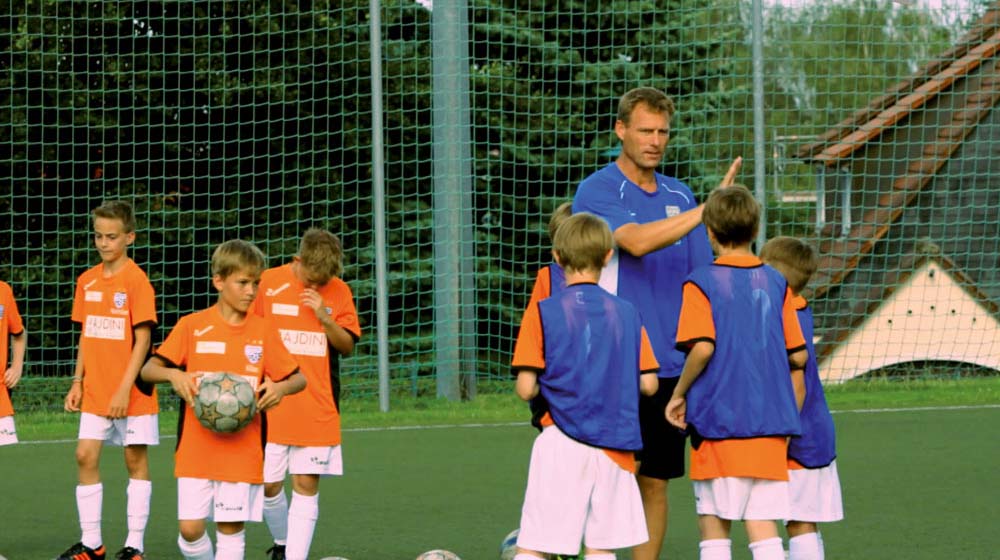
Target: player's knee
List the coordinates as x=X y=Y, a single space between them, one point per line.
x=272 y=489
x=137 y=462
x=87 y=457
x=191 y=531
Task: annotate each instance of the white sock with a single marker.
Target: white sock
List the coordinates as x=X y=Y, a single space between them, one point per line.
x=302 y=515
x=230 y=547
x=767 y=549
x=805 y=547
x=200 y=549
x=716 y=549
x=138 y=494
x=523 y=556
x=276 y=516
x=89 y=499
x=599 y=556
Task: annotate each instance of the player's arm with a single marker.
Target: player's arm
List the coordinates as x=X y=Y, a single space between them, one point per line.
x=799 y=385
x=157 y=370
x=648 y=384
x=697 y=358
x=641 y=239
x=273 y=391
x=338 y=337
x=18 y=347
x=75 y=393
x=141 y=336
x=526 y=385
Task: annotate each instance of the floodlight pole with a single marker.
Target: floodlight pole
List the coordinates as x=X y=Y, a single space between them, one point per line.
x=759 y=136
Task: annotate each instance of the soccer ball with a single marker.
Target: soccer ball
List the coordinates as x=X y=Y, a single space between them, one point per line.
x=508 y=547
x=225 y=402
x=438 y=555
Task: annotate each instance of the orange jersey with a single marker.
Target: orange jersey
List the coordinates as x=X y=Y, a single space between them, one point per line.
x=763 y=457
x=309 y=418
x=10 y=325
x=108 y=309
x=204 y=342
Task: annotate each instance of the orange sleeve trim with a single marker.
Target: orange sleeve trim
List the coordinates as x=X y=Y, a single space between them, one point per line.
x=695 y=321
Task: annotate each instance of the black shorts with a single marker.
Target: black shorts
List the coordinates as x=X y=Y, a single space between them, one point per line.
x=662 y=454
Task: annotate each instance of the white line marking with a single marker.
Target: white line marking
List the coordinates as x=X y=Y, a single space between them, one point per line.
x=514 y=424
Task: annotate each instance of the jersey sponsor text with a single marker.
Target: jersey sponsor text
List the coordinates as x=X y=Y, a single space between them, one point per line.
x=304 y=343
x=109 y=328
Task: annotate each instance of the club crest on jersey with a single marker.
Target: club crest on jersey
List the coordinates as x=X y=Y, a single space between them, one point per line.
x=1 y=311
x=672 y=210
x=253 y=352
x=120 y=299
x=329 y=310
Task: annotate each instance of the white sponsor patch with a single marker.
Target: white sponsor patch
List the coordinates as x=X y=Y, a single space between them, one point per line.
x=91 y=295
x=210 y=347
x=286 y=309
x=109 y=328
x=304 y=343
x=672 y=210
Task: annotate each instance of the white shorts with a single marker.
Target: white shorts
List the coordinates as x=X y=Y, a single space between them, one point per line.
x=575 y=494
x=741 y=498
x=280 y=459
x=815 y=494
x=198 y=498
x=8 y=433
x=131 y=430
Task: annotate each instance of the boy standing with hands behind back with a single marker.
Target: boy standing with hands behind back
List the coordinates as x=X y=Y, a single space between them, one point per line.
x=585 y=351
x=116 y=308
x=735 y=394
x=813 y=482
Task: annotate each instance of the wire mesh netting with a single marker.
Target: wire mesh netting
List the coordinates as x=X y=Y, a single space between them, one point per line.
x=254 y=120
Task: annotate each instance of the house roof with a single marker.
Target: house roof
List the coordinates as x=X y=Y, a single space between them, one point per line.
x=862 y=308
x=962 y=86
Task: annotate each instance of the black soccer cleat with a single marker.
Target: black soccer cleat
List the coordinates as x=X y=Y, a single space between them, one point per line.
x=129 y=553
x=80 y=552
x=277 y=552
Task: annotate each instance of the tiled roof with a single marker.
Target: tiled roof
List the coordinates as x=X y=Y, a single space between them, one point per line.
x=974 y=54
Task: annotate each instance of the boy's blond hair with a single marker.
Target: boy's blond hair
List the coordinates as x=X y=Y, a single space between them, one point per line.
x=559 y=216
x=321 y=253
x=582 y=242
x=732 y=215
x=237 y=255
x=793 y=258
x=654 y=100
x=116 y=210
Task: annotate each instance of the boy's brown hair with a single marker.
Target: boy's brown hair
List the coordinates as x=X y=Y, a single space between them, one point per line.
x=732 y=215
x=321 y=254
x=116 y=210
x=793 y=258
x=652 y=98
x=237 y=255
x=559 y=216
x=582 y=242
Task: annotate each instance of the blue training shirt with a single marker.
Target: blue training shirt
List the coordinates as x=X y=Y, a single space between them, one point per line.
x=652 y=283
x=816 y=447
x=591 y=379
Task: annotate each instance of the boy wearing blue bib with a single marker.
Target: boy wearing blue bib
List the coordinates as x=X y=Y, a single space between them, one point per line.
x=735 y=395
x=813 y=482
x=586 y=353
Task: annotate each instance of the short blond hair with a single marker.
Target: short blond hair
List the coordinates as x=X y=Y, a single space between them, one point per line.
x=582 y=242
x=732 y=215
x=654 y=100
x=116 y=210
x=237 y=255
x=793 y=258
x=559 y=216
x=321 y=253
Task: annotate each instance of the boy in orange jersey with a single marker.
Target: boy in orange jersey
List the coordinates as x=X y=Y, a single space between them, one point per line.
x=585 y=351
x=116 y=308
x=735 y=395
x=13 y=341
x=813 y=482
x=314 y=311
x=220 y=476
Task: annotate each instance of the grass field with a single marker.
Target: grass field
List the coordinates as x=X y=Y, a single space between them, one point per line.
x=917 y=462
